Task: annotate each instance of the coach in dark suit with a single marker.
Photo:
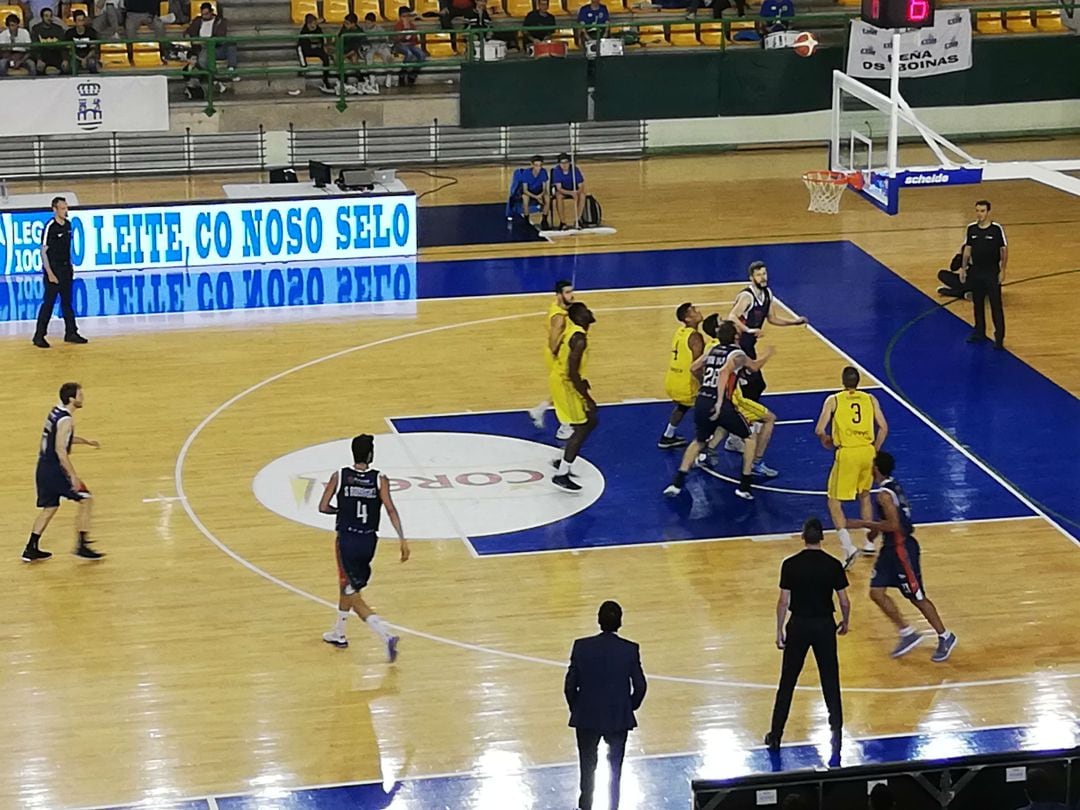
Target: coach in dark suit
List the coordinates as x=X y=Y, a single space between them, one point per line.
x=604 y=687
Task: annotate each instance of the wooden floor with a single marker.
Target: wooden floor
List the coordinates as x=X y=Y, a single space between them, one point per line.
x=175 y=668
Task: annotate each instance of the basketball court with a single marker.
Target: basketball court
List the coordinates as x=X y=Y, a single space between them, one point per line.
x=187 y=669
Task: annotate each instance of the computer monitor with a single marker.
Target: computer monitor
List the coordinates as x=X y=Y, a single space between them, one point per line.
x=319 y=173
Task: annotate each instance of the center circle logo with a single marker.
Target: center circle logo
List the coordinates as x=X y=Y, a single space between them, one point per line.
x=444 y=485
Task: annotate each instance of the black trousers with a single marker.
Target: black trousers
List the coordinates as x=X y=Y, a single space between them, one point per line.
x=62 y=289
x=587 y=743
x=804 y=634
x=950 y=281
x=986 y=287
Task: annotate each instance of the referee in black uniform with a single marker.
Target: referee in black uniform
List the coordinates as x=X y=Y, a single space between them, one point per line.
x=807 y=582
x=59 y=274
x=985 y=255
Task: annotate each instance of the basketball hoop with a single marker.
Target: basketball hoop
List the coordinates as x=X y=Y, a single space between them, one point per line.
x=826 y=188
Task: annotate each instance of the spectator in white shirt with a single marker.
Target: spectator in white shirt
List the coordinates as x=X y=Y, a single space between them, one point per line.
x=15 y=48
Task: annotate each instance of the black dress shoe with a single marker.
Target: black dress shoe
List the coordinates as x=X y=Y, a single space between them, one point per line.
x=999 y=346
x=76 y=338
x=41 y=343
x=975 y=337
x=772 y=742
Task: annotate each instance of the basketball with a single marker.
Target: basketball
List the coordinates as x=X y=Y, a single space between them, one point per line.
x=805 y=44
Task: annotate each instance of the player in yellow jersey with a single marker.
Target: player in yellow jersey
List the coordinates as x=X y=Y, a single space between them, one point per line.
x=681 y=385
x=574 y=404
x=854 y=415
x=555 y=323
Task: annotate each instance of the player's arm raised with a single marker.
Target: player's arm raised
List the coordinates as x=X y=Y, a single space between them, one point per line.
x=63 y=433
x=890 y=518
x=327 y=496
x=392 y=513
x=879 y=421
x=827 y=408
x=555 y=330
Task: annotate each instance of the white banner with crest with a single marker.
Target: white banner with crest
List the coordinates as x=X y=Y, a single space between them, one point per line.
x=61 y=106
x=943 y=48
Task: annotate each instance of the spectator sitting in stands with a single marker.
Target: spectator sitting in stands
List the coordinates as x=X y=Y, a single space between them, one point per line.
x=535 y=189
x=140 y=12
x=568 y=191
x=773 y=14
x=352 y=50
x=595 y=17
x=407 y=43
x=717 y=6
x=449 y=9
x=108 y=17
x=881 y=797
x=1040 y=791
x=480 y=19
x=309 y=46
x=31 y=10
x=207 y=25
x=376 y=47
x=542 y=20
x=48 y=31
x=85 y=52
x=15 y=48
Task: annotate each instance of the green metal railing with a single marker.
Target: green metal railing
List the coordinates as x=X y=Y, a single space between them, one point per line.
x=340 y=68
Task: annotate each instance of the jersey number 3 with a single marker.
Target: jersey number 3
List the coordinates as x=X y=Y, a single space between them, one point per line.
x=857 y=411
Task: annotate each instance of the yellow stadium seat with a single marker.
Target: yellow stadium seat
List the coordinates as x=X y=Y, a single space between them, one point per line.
x=711 y=34
x=146 y=55
x=566 y=35
x=360 y=7
x=742 y=25
x=989 y=22
x=298 y=9
x=334 y=11
x=1047 y=20
x=683 y=35
x=114 y=55
x=73 y=7
x=6 y=10
x=518 y=8
x=651 y=36
x=564 y=8
x=1019 y=22
x=439 y=45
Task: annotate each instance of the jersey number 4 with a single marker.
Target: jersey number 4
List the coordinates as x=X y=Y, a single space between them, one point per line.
x=361 y=511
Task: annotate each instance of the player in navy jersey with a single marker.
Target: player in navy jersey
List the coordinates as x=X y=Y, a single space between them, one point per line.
x=360 y=493
x=56 y=476
x=752 y=309
x=715 y=411
x=897 y=564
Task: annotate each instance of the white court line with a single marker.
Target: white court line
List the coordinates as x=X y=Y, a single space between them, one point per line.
x=178 y=475
x=1012 y=490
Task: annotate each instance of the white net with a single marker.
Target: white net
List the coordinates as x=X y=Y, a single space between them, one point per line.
x=826 y=189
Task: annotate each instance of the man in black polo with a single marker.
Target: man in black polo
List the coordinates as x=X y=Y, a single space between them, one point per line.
x=807 y=582
x=59 y=274
x=983 y=271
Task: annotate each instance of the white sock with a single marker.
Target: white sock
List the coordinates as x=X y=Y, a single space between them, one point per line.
x=944 y=635
x=378 y=626
x=564 y=467
x=907 y=631
x=845 y=539
x=339 y=625
x=669 y=431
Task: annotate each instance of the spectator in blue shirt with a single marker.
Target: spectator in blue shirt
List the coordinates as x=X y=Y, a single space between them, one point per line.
x=773 y=13
x=568 y=191
x=535 y=190
x=595 y=18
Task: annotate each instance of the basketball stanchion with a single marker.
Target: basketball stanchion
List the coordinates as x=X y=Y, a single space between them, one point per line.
x=826 y=189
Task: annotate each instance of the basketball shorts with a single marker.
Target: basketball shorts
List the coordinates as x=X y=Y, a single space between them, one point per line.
x=729 y=419
x=682 y=395
x=751 y=411
x=53 y=484
x=897 y=566
x=355 y=551
x=549 y=360
x=569 y=405
x=852 y=472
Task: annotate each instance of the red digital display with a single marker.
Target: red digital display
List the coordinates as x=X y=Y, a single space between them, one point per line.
x=917 y=11
x=898 y=13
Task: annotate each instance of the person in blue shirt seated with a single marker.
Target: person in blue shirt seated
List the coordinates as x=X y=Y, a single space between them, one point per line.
x=568 y=191
x=535 y=190
x=773 y=14
x=595 y=17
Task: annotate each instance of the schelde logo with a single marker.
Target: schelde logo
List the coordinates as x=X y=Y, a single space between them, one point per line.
x=926 y=179
x=445 y=485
